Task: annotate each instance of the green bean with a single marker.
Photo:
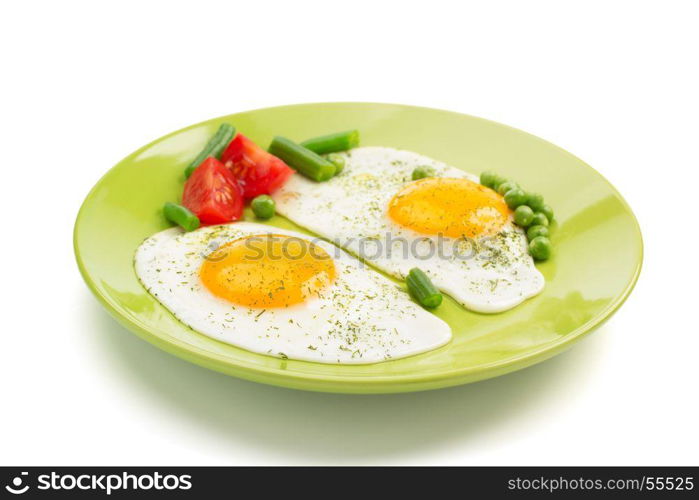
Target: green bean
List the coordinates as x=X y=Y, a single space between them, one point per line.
x=302 y=159
x=422 y=290
x=332 y=143
x=337 y=160
x=214 y=147
x=180 y=215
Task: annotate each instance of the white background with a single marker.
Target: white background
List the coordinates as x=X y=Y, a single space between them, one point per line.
x=84 y=84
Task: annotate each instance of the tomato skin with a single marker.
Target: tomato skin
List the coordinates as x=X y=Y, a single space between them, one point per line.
x=258 y=171
x=213 y=193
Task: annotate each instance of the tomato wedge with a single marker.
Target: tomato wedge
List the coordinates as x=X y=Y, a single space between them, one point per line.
x=213 y=194
x=257 y=171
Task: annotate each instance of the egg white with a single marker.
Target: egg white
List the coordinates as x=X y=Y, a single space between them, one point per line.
x=362 y=317
x=494 y=274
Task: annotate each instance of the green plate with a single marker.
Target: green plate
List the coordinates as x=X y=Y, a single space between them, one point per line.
x=597 y=242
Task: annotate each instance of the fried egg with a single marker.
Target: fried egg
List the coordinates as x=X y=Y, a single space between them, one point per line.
x=460 y=233
x=284 y=294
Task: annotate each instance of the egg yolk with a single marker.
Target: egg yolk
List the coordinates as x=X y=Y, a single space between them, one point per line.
x=449 y=206
x=266 y=271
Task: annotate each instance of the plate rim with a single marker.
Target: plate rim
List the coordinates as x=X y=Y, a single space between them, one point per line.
x=349 y=384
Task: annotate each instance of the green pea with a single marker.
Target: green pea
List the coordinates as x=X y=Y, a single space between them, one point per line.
x=535 y=201
x=523 y=215
x=515 y=197
x=497 y=182
x=263 y=206
x=536 y=231
x=506 y=186
x=547 y=211
x=338 y=161
x=487 y=178
x=422 y=171
x=540 y=248
x=539 y=219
